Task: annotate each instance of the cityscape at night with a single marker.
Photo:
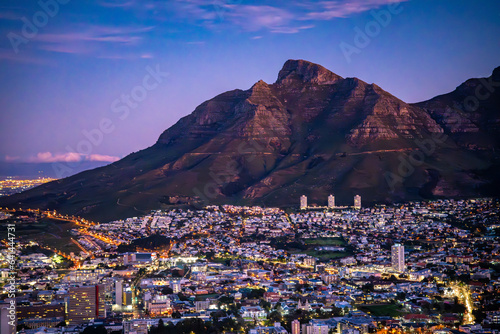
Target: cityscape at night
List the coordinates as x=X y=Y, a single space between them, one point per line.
x=12 y=185
x=250 y=167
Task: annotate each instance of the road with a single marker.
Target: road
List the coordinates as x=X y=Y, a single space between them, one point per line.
x=463 y=293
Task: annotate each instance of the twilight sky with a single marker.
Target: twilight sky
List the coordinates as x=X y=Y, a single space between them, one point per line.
x=74 y=70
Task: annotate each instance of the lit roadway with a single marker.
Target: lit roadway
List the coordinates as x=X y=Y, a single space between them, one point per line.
x=464 y=296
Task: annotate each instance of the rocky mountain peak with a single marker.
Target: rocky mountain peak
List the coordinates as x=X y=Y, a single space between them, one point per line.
x=305 y=71
x=259 y=85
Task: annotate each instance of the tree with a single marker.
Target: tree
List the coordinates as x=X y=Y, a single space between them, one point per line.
x=167 y=291
x=265 y=304
x=226 y=299
x=274 y=316
x=368 y=287
x=162 y=328
x=229 y=324
x=401 y=295
x=256 y=293
x=194 y=325
x=21 y=327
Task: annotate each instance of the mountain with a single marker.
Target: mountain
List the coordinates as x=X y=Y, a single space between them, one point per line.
x=311 y=132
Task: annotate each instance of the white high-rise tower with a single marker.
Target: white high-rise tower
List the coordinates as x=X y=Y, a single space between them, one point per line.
x=119 y=292
x=331 y=202
x=398 y=257
x=303 y=202
x=357 y=202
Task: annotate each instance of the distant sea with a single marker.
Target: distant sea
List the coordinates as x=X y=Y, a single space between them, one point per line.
x=35 y=170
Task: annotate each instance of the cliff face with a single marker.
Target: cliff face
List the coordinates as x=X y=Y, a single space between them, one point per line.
x=311 y=132
x=471 y=113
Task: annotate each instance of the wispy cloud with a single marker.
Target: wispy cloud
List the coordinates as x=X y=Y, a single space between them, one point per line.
x=25 y=58
x=124 y=35
x=49 y=157
x=289 y=18
x=328 y=10
x=125 y=56
x=254 y=18
x=69 y=48
x=118 y=4
x=100 y=41
x=130 y=41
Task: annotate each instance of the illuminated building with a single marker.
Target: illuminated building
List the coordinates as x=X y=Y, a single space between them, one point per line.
x=295 y=327
x=331 y=202
x=86 y=303
x=309 y=261
x=5 y=318
x=127 y=296
x=398 y=257
x=43 y=311
x=119 y=292
x=176 y=286
x=303 y=202
x=160 y=305
x=137 y=258
x=357 y=202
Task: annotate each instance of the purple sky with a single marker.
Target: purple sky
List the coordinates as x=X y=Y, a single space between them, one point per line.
x=87 y=68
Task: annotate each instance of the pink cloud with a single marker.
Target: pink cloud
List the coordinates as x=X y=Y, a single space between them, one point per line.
x=9 y=158
x=49 y=157
x=104 y=158
x=253 y=18
x=58 y=157
x=328 y=10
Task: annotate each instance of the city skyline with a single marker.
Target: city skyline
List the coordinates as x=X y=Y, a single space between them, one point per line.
x=263 y=269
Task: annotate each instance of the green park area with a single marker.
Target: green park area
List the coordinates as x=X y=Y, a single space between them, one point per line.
x=47 y=232
x=310 y=248
x=391 y=310
x=325 y=242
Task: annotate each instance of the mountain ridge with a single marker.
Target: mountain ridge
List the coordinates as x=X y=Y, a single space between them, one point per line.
x=310 y=132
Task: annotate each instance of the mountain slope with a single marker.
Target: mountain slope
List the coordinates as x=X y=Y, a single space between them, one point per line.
x=311 y=132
